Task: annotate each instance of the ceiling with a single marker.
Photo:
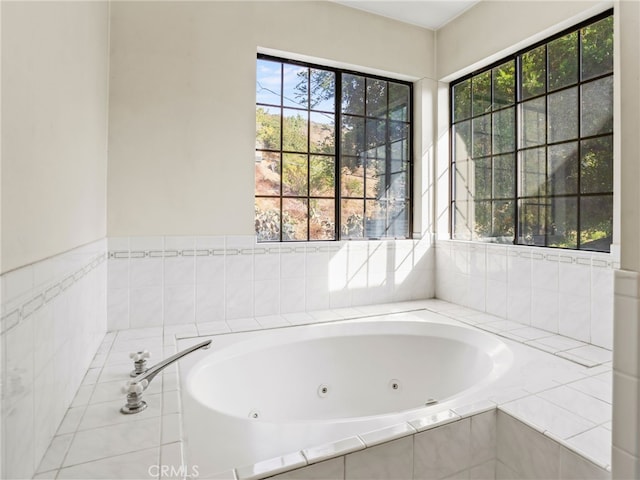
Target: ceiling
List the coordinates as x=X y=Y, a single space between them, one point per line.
x=431 y=14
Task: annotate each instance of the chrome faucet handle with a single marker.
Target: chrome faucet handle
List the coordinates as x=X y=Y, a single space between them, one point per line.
x=134 y=387
x=139 y=362
x=134 y=390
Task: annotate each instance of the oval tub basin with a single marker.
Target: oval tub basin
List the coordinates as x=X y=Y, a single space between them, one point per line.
x=285 y=390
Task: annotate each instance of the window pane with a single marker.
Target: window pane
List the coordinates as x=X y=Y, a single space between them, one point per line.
x=563 y=115
x=268 y=128
x=398 y=219
x=352 y=177
x=562 y=169
x=494 y=221
x=294 y=219
x=268 y=82
x=481 y=215
x=462 y=140
x=352 y=94
x=322 y=176
x=597 y=107
x=503 y=221
x=399 y=108
x=597 y=48
x=296 y=86
x=294 y=130
x=376 y=138
x=267 y=219
x=504 y=85
x=399 y=137
x=267 y=173
x=323 y=90
x=352 y=218
x=563 y=61
x=375 y=222
x=533 y=221
x=462 y=220
x=375 y=178
x=596 y=222
x=482 y=179
x=533 y=122
x=596 y=165
x=481 y=93
x=462 y=100
x=399 y=186
x=294 y=175
x=322 y=219
x=462 y=181
x=504 y=133
x=323 y=132
x=400 y=150
x=376 y=98
x=504 y=180
x=482 y=136
x=562 y=222
x=534 y=72
x=352 y=135
x=533 y=169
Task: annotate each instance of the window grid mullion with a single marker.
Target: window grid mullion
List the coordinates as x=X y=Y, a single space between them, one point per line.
x=308 y=153
x=579 y=154
x=281 y=151
x=338 y=158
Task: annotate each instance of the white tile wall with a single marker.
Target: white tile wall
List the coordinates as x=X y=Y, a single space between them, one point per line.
x=390 y=460
x=560 y=291
x=156 y=281
x=524 y=452
x=443 y=451
x=54 y=316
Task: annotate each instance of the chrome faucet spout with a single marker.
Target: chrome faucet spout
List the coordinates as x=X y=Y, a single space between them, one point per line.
x=135 y=387
x=153 y=371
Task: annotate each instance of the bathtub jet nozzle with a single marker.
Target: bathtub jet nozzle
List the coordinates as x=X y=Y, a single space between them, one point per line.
x=134 y=388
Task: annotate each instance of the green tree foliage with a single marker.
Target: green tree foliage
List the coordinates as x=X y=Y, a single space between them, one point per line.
x=267 y=129
x=534 y=72
x=597 y=48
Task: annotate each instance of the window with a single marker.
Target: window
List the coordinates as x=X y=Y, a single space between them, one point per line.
x=532 y=144
x=333 y=154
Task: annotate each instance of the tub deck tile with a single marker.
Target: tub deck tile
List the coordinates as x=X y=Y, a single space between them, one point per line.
x=333 y=449
x=474 y=408
x=434 y=420
x=273 y=466
x=387 y=434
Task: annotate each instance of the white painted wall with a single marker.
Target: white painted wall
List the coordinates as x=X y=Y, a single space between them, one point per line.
x=54 y=129
x=182 y=101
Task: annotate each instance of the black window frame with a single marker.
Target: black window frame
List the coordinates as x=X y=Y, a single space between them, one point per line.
x=338 y=197
x=516 y=106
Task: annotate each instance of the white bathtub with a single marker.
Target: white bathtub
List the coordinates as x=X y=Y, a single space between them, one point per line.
x=261 y=395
